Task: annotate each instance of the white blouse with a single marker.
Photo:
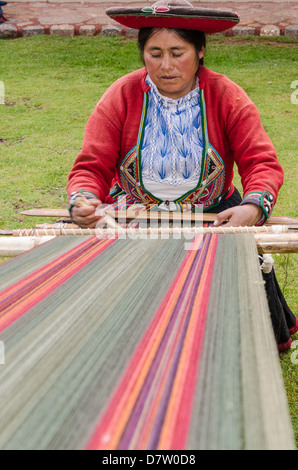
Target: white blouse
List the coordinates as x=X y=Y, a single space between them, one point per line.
x=172 y=147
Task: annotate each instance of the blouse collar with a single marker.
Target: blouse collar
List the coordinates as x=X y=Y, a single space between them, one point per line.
x=192 y=96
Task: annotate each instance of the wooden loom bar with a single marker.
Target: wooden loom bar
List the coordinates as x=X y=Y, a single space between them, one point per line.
x=273 y=243
x=153 y=215
x=185 y=216
x=145 y=231
x=46 y=213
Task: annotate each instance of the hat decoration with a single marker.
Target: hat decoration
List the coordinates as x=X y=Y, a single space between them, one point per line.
x=174 y=14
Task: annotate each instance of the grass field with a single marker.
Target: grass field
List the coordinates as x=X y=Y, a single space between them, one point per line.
x=52 y=84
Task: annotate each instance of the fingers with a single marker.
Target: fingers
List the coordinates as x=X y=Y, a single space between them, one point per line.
x=239 y=216
x=86 y=216
x=223 y=218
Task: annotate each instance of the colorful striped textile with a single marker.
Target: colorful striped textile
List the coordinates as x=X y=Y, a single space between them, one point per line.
x=135 y=344
x=152 y=406
x=18 y=298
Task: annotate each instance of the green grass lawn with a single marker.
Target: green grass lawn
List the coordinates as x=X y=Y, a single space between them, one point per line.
x=52 y=85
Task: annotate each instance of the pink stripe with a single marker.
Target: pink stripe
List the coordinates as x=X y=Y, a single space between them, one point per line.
x=131 y=372
x=185 y=408
x=179 y=430
x=49 y=284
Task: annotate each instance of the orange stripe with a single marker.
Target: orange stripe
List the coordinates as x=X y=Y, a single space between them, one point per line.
x=176 y=422
x=117 y=414
x=21 y=302
x=172 y=348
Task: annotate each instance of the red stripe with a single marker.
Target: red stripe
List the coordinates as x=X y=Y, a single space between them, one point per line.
x=107 y=434
x=185 y=407
x=21 y=296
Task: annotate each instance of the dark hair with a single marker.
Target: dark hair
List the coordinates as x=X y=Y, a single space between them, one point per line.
x=197 y=38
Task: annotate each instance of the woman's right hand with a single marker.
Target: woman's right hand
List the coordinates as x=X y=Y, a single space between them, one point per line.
x=85 y=216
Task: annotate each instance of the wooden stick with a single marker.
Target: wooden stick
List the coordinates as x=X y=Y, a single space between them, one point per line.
x=146 y=231
x=111 y=222
x=46 y=212
x=282 y=220
x=272 y=243
x=155 y=215
x=124 y=214
x=116 y=229
x=57 y=225
x=185 y=216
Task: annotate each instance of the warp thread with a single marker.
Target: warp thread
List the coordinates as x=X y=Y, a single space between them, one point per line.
x=140 y=306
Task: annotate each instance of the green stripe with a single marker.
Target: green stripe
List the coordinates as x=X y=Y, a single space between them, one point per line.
x=139 y=145
x=141 y=136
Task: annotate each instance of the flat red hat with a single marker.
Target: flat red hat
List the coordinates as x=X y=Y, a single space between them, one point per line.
x=174 y=14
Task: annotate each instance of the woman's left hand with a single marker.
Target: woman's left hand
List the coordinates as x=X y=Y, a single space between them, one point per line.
x=239 y=216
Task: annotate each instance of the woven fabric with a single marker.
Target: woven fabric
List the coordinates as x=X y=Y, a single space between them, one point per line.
x=123 y=344
x=152 y=407
x=17 y=299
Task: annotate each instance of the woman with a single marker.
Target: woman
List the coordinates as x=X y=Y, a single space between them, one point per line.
x=170 y=133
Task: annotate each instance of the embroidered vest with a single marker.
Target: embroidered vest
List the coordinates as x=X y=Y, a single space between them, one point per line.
x=207 y=193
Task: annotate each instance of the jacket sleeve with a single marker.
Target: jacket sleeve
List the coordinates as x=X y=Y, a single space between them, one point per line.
x=261 y=173
x=94 y=167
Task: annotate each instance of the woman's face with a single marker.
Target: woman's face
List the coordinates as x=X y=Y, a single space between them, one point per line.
x=172 y=63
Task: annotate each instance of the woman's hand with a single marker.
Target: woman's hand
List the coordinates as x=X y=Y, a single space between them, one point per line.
x=245 y=215
x=85 y=216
